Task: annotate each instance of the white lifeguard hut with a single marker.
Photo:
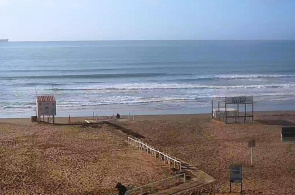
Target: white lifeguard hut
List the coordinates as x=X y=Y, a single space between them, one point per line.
x=233 y=109
x=46 y=107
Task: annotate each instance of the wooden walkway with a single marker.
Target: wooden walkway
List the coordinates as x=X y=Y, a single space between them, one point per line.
x=199 y=179
x=191 y=185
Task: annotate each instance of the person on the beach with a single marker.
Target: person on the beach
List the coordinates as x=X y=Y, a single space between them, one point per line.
x=122 y=189
x=118 y=116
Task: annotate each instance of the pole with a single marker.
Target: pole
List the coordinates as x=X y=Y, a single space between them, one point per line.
x=239 y=112
x=251 y=151
x=69 y=118
x=236 y=114
x=245 y=113
x=252 y=112
x=212 y=109
x=218 y=112
x=225 y=114
x=36 y=102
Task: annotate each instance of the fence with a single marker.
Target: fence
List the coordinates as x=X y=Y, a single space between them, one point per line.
x=156 y=153
x=158 y=185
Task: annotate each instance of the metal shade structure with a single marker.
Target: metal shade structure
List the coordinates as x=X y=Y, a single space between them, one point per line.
x=233 y=109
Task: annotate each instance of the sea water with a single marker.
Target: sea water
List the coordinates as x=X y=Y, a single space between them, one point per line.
x=144 y=77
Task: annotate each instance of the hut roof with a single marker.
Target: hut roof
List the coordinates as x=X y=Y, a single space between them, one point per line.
x=46 y=98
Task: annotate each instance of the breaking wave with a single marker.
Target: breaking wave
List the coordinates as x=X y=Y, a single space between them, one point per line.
x=156 y=86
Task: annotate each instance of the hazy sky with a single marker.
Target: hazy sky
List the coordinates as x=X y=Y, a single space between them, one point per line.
x=147 y=19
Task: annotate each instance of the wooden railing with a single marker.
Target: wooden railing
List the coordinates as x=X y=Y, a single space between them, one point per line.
x=154 y=152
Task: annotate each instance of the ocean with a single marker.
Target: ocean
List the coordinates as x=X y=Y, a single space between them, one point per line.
x=144 y=77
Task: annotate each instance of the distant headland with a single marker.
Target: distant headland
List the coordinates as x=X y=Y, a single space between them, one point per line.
x=3 y=40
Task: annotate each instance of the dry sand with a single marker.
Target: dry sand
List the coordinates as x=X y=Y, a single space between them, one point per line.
x=213 y=146
x=71 y=160
x=44 y=159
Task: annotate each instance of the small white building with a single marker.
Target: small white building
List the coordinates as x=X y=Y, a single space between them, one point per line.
x=46 y=106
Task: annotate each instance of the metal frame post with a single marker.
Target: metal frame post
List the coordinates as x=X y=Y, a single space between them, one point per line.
x=212 y=110
x=251 y=152
x=245 y=113
x=218 y=111
x=252 y=112
x=225 y=114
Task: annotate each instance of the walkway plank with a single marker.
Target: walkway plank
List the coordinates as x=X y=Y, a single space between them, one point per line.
x=181 y=188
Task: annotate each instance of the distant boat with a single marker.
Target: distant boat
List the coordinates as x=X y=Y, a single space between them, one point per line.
x=3 y=40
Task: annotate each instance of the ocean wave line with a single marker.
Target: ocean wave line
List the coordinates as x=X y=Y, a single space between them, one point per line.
x=126 y=87
x=88 y=76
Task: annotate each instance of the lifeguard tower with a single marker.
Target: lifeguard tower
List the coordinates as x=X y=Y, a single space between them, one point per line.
x=46 y=107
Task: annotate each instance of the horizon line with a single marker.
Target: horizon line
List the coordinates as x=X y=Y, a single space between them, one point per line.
x=153 y=40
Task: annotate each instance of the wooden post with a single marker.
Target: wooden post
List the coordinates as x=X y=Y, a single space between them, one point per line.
x=251 y=152
x=218 y=111
x=53 y=119
x=236 y=115
x=129 y=116
x=212 y=110
x=69 y=119
x=252 y=112
x=225 y=113
x=245 y=113
x=239 y=112
x=133 y=117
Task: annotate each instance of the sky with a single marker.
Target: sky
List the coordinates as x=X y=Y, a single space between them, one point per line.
x=56 y=20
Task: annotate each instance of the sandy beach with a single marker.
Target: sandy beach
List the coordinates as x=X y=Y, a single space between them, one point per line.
x=43 y=159
x=46 y=159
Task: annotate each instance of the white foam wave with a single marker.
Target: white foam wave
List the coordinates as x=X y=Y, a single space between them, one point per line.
x=252 y=76
x=155 y=86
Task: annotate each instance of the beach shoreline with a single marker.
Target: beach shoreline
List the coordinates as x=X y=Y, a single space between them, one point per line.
x=139 y=117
